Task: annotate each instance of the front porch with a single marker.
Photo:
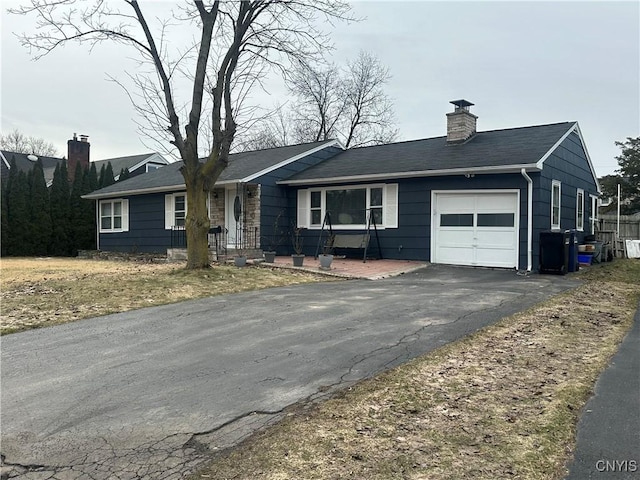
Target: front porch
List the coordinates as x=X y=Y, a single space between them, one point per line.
x=222 y=246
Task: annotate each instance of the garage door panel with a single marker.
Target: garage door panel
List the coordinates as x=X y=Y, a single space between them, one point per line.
x=453 y=203
x=478 y=229
x=496 y=238
x=457 y=237
x=503 y=202
x=489 y=258
x=453 y=255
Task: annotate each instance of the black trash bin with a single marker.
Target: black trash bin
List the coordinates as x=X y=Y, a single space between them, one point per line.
x=554 y=251
x=574 y=266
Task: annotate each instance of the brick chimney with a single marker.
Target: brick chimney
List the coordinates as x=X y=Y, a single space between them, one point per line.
x=77 y=153
x=461 y=123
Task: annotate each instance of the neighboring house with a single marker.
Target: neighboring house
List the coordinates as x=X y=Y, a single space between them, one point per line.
x=467 y=198
x=25 y=162
x=136 y=164
x=78 y=153
x=146 y=213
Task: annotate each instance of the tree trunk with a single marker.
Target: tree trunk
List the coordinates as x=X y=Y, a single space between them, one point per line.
x=197 y=221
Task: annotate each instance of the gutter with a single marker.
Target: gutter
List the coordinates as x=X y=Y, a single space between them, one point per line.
x=409 y=174
x=126 y=193
x=529 y=218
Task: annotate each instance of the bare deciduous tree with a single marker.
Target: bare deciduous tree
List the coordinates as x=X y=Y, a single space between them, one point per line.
x=347 y=104
x=16 y=141
x=234 y=43
x=368 y=112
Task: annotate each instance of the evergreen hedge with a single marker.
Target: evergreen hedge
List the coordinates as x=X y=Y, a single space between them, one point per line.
x=36 y=220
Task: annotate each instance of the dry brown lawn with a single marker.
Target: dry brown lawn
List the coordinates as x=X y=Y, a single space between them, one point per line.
x=38 y=292
x=500 y=404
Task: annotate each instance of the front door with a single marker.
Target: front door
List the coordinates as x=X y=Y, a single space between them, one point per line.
x=233 y=217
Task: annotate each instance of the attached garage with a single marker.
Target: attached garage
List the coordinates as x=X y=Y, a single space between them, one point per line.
x=476 y=228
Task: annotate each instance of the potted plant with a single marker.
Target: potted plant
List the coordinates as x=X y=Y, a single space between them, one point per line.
x=273 y=241
x=298 y=256
x=326 y=257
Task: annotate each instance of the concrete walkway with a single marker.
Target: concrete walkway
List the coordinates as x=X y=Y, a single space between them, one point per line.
x=609 y=430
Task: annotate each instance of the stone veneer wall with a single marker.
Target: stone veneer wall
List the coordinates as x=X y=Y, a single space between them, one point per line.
x=216 y=207
x=251 y=214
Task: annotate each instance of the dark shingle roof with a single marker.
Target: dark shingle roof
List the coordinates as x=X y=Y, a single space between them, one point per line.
x=119 y=163
x=25 y=165
x=161 y=179
x=496 y=148
x=242 y=166
x=49 y=163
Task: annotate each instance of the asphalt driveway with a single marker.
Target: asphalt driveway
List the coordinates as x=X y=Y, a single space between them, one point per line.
x=149 y=394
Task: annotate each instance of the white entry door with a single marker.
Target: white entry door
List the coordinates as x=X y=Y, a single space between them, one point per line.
x=234 y=228
x=475 y=228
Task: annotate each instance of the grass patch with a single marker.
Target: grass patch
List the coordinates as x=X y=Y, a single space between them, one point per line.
x=501 y=403
x=38 y=292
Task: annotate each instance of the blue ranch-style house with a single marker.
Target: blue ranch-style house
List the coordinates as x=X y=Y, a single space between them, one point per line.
x=467 y=198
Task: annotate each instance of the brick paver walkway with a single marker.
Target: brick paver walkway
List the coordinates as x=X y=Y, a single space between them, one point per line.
x=355 y=268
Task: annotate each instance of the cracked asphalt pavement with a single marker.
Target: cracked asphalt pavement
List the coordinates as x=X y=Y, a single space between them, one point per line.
x=150 y=394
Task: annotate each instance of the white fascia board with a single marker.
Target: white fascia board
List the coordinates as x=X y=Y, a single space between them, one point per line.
x=574 y=128
x=5 y=160
x=586 y=153
x=142 y=191
x=329 y=143
x=412 y=174
x=153 y=157
x=540 y=162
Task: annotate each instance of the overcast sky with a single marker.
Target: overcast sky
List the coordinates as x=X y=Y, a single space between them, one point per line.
x=520 y=63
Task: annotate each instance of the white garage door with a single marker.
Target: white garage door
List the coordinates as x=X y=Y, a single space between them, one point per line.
x=475 y=228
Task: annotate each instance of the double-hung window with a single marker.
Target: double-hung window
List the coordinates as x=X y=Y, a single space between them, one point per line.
x=175 y=210
x=580 y=209
x=349 y=207
x=114 y=216
x=316 y=208
x=555 y=203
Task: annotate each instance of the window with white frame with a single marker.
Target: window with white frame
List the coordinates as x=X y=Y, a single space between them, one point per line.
x=555 y=203
x=316 y=208
x=580 y=209
x=175 y=210
x=349 y=207
x=594 y=212
x=114 y=216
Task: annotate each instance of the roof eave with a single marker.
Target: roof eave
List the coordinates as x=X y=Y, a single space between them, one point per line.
x=416 y=173
x=140 y=191
x=306 y=153
x=573 y=128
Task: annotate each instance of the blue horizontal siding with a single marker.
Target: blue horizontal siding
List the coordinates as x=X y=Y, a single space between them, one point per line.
x=568 y=164
x=146 y=228
x=279 y=202
x=412 y=239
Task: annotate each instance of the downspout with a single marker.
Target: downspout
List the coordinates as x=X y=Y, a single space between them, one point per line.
x=529 y=218
x=97 y=224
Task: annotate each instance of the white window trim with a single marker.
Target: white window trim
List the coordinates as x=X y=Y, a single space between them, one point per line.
x=557 y=183
x=579 y=214
x=389 y=206
x=124 y=215
x=169 y=208
x=594 y=212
